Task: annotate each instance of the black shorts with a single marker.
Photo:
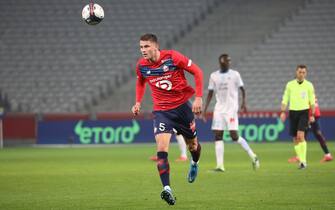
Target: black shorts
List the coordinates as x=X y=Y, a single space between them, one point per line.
x=181 y=119
x=298 y=121
x=315 y=126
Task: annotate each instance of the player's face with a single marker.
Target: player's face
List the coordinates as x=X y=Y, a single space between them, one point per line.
x=224 y=62
x=149 y=50
x=301 y=74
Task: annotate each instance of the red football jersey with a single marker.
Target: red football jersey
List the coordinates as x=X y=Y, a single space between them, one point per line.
x=166 y=78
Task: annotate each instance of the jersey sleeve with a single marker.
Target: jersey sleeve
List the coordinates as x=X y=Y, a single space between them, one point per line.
x=311 y=95
x=140 y=84
x=286 y=94
x=239 y=80
x=180 y=60
x=185 y=63
x=211 y=83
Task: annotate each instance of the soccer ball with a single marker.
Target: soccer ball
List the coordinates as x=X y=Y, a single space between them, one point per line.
x=93 y=13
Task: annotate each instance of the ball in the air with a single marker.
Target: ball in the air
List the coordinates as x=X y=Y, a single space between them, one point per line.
x=93 y=13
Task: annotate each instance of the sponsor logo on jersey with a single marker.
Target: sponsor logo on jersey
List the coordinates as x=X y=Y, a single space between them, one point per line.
x=160 y=78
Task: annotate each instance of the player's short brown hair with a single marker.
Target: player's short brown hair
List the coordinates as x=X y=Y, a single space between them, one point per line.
x=149 y=37
x=301 y=66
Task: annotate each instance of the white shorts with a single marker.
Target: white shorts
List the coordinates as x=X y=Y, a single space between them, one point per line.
x=225 y=122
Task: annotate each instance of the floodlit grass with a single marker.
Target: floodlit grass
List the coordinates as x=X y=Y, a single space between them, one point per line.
x=122 y=177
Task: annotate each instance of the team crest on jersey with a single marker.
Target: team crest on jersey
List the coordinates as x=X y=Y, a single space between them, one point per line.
x=303 y=94
x=231 y=120
x=165 y=68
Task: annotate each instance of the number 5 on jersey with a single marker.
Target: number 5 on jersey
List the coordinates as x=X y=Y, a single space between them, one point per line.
x=164 y=84
x=162 y=126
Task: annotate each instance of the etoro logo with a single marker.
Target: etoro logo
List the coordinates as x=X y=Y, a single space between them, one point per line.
x=107 y=135
x=263 y=132
x=164 y=84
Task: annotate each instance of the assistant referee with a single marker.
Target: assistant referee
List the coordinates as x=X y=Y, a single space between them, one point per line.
x=299 y=94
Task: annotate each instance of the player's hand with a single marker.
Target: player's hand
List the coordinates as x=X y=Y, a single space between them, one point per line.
x=283 y=116
x=197 y=105
x=136 y=109
x=243 y=108
x=311 y=119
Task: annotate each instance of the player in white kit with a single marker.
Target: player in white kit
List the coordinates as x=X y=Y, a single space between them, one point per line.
x=226 y=83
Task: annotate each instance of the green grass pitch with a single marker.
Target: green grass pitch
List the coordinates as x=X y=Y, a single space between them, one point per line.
x=123 y=177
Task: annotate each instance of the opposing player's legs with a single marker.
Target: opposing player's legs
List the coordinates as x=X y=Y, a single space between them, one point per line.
x=316 y=129
x=195 y=149
x=163 y=141
x=219 y=124
x=182 y=147
x=240 y=140
x=219 y=150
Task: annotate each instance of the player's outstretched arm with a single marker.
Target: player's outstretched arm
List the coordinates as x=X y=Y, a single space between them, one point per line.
x=185 y=63
x=140 y=90
x=208 y=100
x=282 y=113
x=198 y=77
x=312 y=117
x=197 y=105
x=244 y=103
x=311 y=98
x=284 y=103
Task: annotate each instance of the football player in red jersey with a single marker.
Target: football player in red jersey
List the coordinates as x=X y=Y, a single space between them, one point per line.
x=164 y=70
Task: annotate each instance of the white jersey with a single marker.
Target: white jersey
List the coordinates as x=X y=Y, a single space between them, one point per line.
x=226 y=87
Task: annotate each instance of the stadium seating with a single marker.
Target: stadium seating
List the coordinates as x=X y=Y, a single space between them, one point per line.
x=266 y=43
x=233 y=26
x=51 y=61
x=305 y=38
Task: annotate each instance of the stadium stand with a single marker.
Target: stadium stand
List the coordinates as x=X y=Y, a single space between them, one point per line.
x=266 y=44
x=234 y=26
x=305 y=38
x=52 y=62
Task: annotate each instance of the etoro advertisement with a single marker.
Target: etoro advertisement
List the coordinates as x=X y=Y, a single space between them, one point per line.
x=141 y=131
